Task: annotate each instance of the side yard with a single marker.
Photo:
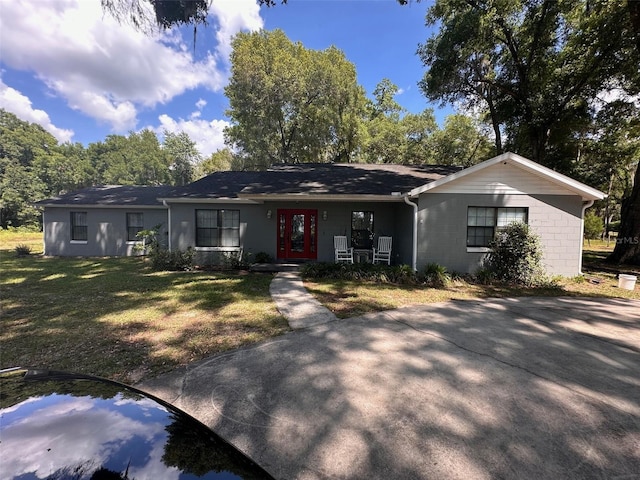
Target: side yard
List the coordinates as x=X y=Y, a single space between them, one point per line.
x=116 y=318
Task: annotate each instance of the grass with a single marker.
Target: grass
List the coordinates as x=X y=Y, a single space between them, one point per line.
x=116 y=318
x=353 y=298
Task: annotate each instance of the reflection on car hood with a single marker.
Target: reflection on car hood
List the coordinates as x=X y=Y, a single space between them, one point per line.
x=57 y=425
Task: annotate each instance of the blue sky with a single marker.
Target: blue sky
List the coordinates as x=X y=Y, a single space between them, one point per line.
x=82 y=76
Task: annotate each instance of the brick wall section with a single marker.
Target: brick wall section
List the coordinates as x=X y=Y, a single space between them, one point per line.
x=443 y=229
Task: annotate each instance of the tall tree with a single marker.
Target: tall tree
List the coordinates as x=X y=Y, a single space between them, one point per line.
x=532 y=63
x=289 y=104
x=136 y=159
x=460 y=142
x=184 y=157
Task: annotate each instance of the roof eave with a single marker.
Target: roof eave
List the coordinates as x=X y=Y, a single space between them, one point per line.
x=321 y=197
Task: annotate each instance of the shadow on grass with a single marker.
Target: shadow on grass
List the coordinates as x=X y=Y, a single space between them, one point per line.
x=114 y=316
x=498 y=388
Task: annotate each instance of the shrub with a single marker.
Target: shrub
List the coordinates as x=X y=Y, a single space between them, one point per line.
x=436 y=276
x=262 y=257
x=593 y=226
x=177 y=260
x=516 y=256
x=402 y=274
x=23 y=250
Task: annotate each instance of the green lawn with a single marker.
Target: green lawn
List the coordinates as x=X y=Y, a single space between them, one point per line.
x=116 y=318
x=351 y=298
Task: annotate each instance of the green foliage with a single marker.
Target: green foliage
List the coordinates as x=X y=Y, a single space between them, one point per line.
x=397 y=274
x=23 y=250
x=436 y=276
x=183 y=155
x=176 y=260
x=289 y=104
x=593 y=226
x=516 y=256
x=219 y=161
x=262 y=257
x=533 y=66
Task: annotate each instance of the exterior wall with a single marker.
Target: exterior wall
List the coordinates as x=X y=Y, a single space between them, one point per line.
x=106 y=230
x=442 y=228
x=258 y=233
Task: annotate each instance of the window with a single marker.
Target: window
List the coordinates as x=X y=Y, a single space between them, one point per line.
x=362 y=230
x=217 y=228
x=134 y=225
x=79 y=226
x=484 y=222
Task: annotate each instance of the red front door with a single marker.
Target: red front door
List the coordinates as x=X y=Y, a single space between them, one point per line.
x=297 y=234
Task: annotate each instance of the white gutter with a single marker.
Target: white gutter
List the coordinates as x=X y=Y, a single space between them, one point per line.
x=164 y=202
x=584 y=208
x=414 y=256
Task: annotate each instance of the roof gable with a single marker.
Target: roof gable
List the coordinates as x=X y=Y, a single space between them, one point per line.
x=510 y=173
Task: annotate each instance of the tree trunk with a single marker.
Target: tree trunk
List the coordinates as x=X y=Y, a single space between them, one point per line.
x=627 y=248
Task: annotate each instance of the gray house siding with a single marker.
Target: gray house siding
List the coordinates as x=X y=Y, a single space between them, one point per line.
x=258 y=232
x=106 y=230
x=442 y=228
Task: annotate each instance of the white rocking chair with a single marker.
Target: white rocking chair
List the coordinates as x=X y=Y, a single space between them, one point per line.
x=383 y=252
x=342 y=252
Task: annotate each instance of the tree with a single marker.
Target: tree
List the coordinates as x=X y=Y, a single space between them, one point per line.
x=532 y=64
x=289 y=104
x=460 y=142
x=219 y=161
x=593 y=226
x=24 y=148
x=146 y=15
x=136 y=159
x=184 y=157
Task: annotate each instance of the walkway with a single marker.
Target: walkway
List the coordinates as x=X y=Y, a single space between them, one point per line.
x=296 y=304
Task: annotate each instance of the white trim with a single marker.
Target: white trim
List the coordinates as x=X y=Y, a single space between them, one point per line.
x=570 y=184
x=217 y=249
x=78 y=242
x=131 y=206
x=478 y=249
x=209 y=200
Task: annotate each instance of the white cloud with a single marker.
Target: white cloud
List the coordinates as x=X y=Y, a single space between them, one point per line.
x=200 y=104
x=207 y=134
x=234 y=16
x=20 y=105
x=107 y=70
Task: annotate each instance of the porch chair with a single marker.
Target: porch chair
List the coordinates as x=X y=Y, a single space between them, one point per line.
x=342 y=252
x=383 y=252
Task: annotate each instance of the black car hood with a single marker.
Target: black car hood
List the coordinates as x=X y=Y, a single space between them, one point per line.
x=57 y=425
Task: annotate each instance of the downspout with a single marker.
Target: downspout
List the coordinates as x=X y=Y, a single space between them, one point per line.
x=164 y=202
x=584 y=208
x=414 y=257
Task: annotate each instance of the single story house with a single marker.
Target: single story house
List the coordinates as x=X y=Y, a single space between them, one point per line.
x=441 y=214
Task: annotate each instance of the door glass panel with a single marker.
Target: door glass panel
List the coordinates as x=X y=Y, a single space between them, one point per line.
x=297 y=233
x=312 y=231
x=281 y=231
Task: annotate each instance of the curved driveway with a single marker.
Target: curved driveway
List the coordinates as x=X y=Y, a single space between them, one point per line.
x=507 y=388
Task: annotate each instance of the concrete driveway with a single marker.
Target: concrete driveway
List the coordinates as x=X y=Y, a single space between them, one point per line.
x=510 y=388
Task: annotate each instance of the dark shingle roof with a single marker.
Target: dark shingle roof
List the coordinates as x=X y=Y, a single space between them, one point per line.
x=309 y=178
x=316 y=179
x=111 y=195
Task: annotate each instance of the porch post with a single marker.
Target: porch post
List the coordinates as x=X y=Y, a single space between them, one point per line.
x=414 y=256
